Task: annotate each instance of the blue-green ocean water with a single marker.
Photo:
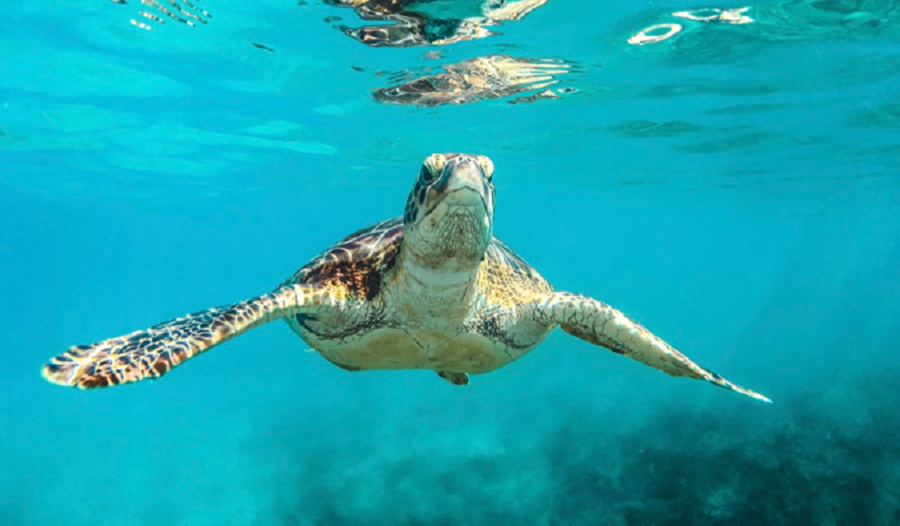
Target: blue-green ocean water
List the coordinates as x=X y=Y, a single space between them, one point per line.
x=735 y=188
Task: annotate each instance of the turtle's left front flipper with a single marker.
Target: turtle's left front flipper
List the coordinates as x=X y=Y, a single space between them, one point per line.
x=600 y=324
x=153 y=352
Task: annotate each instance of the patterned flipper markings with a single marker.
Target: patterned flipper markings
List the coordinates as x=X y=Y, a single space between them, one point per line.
x=600 y=324
x=153 y=352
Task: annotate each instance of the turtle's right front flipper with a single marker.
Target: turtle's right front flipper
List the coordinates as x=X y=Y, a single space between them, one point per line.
x=151 y=353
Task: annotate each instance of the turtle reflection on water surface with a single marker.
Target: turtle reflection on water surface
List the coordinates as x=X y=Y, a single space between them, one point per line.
x=489 y=77
x=182 y=11
x=407 y=26
x=433 y=290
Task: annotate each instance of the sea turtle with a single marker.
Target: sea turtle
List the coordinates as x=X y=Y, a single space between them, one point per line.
x=430 y=290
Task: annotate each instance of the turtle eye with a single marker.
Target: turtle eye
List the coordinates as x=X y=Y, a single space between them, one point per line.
x=432 y=167
x=487 y=166
x=437 y=160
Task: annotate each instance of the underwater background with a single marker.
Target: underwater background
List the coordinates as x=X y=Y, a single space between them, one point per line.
x=734 y=187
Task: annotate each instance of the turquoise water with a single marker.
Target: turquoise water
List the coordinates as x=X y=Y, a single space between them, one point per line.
x=736 y=188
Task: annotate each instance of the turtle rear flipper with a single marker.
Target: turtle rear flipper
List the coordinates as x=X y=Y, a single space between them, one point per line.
x=454 y=377
x=153 y=352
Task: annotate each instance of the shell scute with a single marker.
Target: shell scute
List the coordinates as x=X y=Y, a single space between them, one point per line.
x=357 y=262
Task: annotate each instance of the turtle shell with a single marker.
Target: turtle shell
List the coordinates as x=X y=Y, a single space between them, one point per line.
x=357 y=262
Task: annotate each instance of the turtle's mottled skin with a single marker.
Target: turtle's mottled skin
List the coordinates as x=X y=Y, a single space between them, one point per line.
x=431 y=290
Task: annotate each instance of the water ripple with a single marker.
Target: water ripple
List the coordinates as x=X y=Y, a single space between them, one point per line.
x=480 y=78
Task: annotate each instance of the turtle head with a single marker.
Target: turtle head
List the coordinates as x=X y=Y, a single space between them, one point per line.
x=449 y=215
